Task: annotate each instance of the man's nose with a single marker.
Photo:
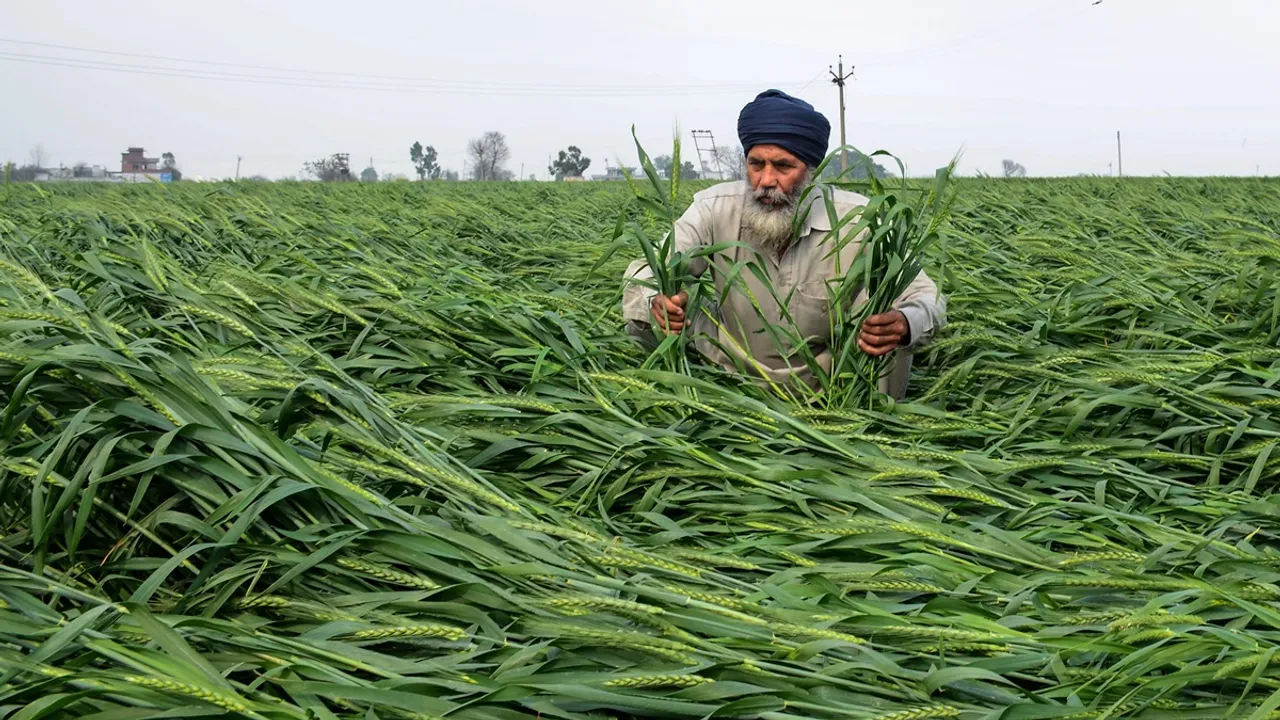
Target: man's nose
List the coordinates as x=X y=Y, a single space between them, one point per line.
x=768 y=178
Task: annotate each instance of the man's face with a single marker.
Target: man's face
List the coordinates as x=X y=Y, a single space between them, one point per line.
x=771 y=168
x=777 y=178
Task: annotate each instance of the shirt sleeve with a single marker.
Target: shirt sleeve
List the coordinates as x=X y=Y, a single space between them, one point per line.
x=692 y=230
x=924 y=308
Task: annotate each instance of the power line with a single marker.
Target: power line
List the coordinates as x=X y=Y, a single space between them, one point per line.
x=954 y=44
x=339 y=85
x=811 y=80
x=358 y=78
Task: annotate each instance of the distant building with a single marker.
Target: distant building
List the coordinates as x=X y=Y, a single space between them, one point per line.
x=614 y=173
x=79 y=173
x=136 y=167
x=136 y=160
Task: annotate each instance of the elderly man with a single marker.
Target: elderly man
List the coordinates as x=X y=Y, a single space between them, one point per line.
x=784 y=139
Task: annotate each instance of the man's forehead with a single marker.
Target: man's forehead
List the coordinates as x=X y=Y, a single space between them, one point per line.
x=772 y=152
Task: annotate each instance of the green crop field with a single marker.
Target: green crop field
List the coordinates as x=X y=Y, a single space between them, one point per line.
x=304 y=451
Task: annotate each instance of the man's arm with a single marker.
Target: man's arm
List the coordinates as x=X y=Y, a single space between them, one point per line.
x=692 y=230
x=916 y=315
x=925 y=310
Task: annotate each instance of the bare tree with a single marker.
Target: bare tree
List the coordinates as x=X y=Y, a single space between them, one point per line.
x=732 y=161
x=37 y=157
x=1013 y=169
x=489 y=154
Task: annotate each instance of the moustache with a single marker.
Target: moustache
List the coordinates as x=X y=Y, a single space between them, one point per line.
x=772 y=198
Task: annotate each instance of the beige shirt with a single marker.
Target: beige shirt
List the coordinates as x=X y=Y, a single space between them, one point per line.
x=737 y=333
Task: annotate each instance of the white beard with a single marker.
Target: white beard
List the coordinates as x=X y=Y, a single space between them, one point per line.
x=769 y=226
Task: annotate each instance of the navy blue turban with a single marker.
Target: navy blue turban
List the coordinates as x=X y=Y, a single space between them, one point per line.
x=776 y=118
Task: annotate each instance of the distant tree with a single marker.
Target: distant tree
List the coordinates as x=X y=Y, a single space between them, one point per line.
x=858 y=163
x=334 y=168
x=533 y=177
x=424 y=161
x=37 y=157
x=369 y=175
x=170 y=164
x=263 y=178
x=569 y=164
x=450 y=175
x=662 y=164
x=25 y=173
x=81 y=170
x=489 y=154
x=1013 y=169
x=732 y=162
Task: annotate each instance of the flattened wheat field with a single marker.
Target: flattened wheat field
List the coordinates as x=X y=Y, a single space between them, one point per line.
x=318 y=451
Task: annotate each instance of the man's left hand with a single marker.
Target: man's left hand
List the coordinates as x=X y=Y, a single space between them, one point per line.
x=881 y=334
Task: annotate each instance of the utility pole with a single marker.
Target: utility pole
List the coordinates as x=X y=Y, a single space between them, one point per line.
x=521 y=172
x=703 y=151
x=238 y=159
x=838 y=77
x=1119 y=157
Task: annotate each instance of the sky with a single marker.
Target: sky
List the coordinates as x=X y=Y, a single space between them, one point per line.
x=1047 y=83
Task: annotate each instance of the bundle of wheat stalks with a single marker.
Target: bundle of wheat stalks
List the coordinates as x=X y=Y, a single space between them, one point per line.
x=307 y=451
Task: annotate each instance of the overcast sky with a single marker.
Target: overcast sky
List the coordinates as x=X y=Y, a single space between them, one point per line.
x=1192 y=84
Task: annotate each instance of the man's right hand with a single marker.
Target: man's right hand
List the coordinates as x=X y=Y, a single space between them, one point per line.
x=668 y=312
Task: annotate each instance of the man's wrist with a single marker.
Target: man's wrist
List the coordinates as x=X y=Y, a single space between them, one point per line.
x=914 y=318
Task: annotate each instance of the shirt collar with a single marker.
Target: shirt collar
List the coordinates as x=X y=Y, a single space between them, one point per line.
x=816 y=219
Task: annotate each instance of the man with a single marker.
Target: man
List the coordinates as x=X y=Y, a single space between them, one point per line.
x=784 y=139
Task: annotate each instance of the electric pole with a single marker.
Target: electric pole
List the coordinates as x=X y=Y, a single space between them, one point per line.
x=1119 y=157
x=838 y=77
x=238 y=159
x=703 y=151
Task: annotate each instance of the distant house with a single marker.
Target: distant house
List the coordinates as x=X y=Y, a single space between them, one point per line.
x=136 y=160
x=79 y=173
x=135 y=166
x=614 y=173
